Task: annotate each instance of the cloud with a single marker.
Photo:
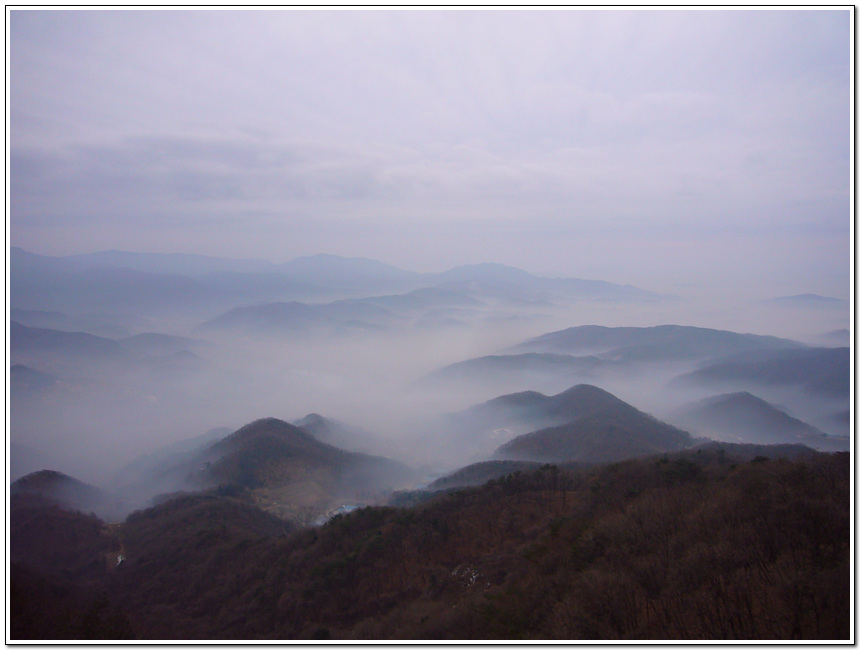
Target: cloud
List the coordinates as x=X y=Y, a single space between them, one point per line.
x=151 y=124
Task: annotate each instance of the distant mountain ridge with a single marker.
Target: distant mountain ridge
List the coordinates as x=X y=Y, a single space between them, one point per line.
x=179 y=263
x=529 y=362
x=593 y=354
x=73 y=351
x=26 y=378
x=658 y=342
x=808 y=299
x=338 y=434
x=350 y=273
x=498 y=280
x=22 y=337
x=819 y=371
x=297 y=316
x=74 y=282
x=743 y=417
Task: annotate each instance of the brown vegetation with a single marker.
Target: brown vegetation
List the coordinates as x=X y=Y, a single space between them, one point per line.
x=690 y=546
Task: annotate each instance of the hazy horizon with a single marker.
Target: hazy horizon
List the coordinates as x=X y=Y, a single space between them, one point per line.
x=675 y=150
x=698 y=154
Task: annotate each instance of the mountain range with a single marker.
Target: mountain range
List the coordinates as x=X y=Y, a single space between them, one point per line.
x=598 y=427
x=148 y=284
x=743 y=417
x=78 y=354
x=818 y=371
x=662 y=342
x=598 y=354
x=583 y=424
x=488 y=479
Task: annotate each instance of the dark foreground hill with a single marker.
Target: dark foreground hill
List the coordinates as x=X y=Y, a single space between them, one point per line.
x=700 y=545
x=480 y=473
x=60 y=560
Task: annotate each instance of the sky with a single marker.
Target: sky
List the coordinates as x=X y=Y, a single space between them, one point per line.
x=672 y=150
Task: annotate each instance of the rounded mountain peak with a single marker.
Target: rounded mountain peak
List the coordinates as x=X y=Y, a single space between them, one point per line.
x=266 y=427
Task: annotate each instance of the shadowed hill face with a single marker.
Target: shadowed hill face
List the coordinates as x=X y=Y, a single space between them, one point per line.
x=23 y=377
x=533 y=407
x=278 y=431
x=581 y=400
x=52 y=538
x=597 y=355
x=819 y=371
x=207 y=510
x=64 y=490
x=742 y=416
x=583 y=424
x=260 y=453
x=26 y=338
x=611 y=430
x=286 y=468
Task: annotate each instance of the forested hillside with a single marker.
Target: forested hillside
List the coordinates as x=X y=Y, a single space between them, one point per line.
x=697 y=545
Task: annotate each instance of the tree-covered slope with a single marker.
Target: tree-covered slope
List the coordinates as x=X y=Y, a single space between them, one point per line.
x=698 y=545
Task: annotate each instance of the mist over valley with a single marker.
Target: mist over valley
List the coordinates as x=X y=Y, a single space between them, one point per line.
x=364 y=444
x=391 y=369
x=429 y=326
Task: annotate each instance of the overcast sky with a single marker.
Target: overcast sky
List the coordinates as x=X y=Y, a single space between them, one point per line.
x=664 y=149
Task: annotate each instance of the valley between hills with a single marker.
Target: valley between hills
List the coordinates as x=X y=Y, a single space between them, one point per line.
x=337 y=449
